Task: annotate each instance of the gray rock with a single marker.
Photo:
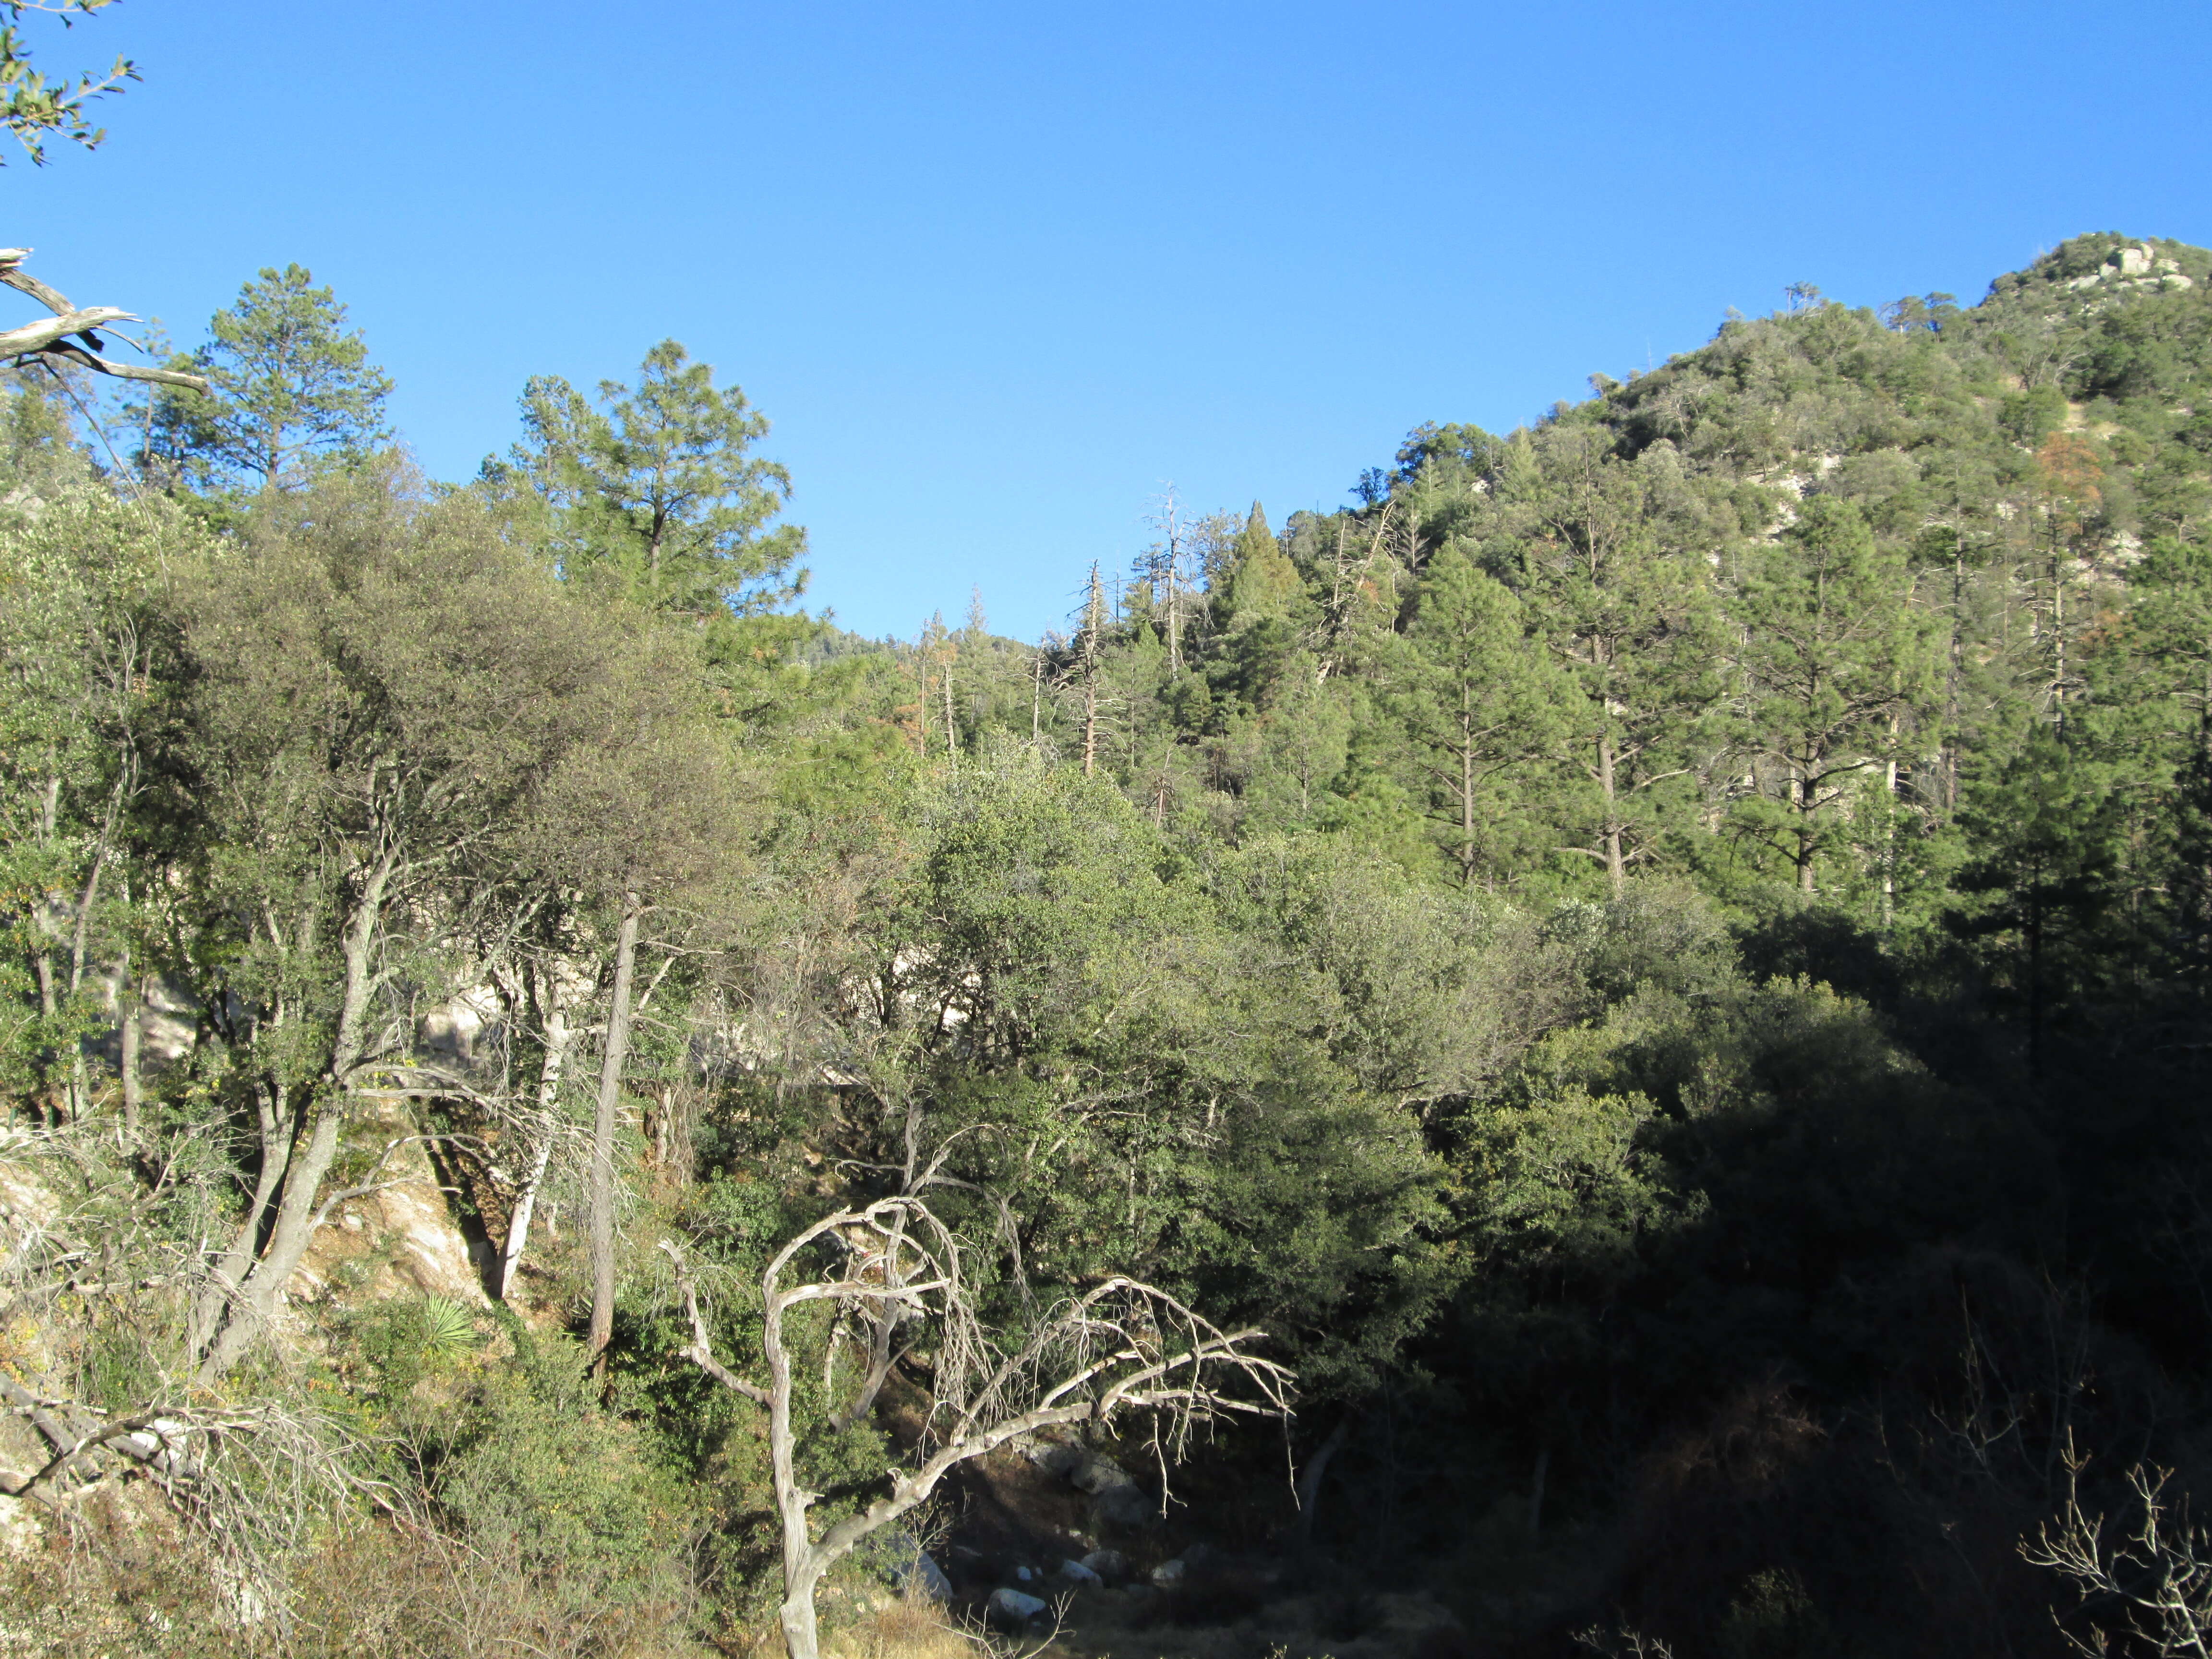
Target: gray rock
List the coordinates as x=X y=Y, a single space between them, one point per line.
x=1168 y=1574
x=1010 y=1609
x=1022 y=1575
x=1127 y=1507
x=929 y=1579
x=912 y=1568
x=1111 y=1566
x=1095 y=1474
x=1074 y=1572
x=1053 y=1457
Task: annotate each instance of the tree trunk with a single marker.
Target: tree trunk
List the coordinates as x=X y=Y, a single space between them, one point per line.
x=278 y=1131
x=1310 y=1478
x=255 y=1303
x=128 y=990
x=558 y=1037
x=262 y=1285
x=1090 y=720
x=796 y=1617
x=1889 y=834
x=1801 y=787
x=1616 y=868
x=603 y=1131
x=1465 y=789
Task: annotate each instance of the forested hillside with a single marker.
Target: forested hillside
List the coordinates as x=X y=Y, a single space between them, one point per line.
x=1605 y=1050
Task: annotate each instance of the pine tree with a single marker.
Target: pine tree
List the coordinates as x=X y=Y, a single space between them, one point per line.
x=1637 y=629
x=288 y=383
x=1832 y=653
x=2041 y=890
x=657 y=486
x=1478 y=702
x=1261 y=582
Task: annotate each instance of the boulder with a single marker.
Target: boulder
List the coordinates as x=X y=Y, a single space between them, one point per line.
x=1053 y=1457
x=1127 y=1507
x=1094 y=1473
x=1110 y=1566
x=1074 y=1572
x=912 y=1569
x=1011 y=1610
x=1168 y=1574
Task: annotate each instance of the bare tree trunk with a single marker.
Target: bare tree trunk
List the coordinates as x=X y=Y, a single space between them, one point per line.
x=127 y=989
x=1138 y=1373
x=1466 y=790
x=1889 y=831
x=1094 y=621
x=1616 y=868
x=255 y=1303
x=1310 y=1477
x=602 y=1246
x=278 y=1127
x=558 y=1037
x=261 y=1285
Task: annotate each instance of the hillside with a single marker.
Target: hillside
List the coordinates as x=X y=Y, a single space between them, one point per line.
x=1635 y=999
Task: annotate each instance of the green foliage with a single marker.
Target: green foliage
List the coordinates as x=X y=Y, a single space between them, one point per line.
x=32 y=107
x=537 y=1470
x=289 y=386
x=1629 y=951
x=660 y=490
x=403 y=1341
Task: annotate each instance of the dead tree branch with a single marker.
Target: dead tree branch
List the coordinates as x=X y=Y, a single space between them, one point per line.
x=2154 y=1581
x=1120 y=1345
x=70 y=336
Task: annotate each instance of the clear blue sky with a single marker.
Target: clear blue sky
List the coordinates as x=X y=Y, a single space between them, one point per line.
x=997 y=272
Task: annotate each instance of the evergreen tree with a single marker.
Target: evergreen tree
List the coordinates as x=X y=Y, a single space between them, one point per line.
x=1479 y=704
x=657 y=486
x=1636 y=629
x=1262 y=584
x=289 y=384
x=1832 y=657
x=2040 y=893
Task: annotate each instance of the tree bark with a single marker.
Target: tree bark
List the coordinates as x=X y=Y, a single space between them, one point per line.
x=558 y=1036
x=1616 y=868
x=128 y=989
x=259 y=1288
x=602 y=1243
x=1310 y=1477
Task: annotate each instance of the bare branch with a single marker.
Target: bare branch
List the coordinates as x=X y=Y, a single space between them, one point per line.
x=50 y=339
x=1118 y=1344
x=701 y=1350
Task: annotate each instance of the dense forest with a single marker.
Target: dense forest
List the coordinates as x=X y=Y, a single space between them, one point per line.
x=1604 y=1050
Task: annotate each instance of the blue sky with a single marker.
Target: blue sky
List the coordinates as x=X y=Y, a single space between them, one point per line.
x=998 y=273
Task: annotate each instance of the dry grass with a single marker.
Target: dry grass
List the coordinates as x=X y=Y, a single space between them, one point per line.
x=911 y=1627
x=371 y=1595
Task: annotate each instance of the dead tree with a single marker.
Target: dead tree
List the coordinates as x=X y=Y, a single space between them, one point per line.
x=71 y=336
x=2151 y=1584
x=1117 y=1346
